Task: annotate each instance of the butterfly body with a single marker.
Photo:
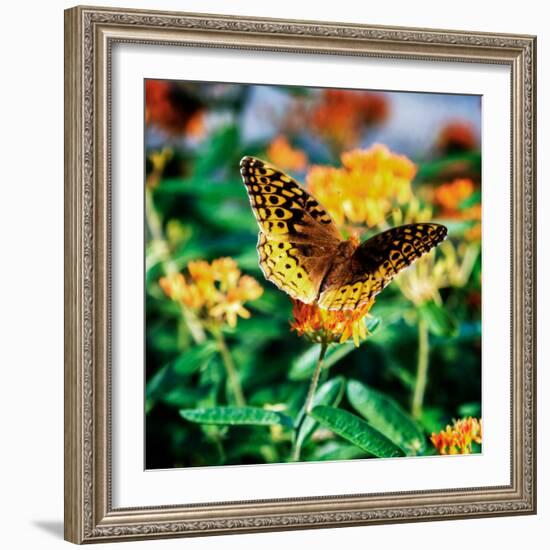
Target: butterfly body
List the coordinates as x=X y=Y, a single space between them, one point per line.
x=302 y=252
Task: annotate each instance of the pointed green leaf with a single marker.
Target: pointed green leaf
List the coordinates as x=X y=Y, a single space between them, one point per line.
x=191 y=360
x=372 y=323
x=386 y=416
x=330 y=393
x=438 y=319
x=337 y=450
x=357 y=431
x=236 y=416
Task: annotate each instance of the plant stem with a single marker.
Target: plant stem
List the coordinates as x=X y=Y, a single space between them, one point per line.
x=194 y=326
x=308 y=405
x=421 y=369
x=230 y=367
x=151 y=216
x=154 y=225
x=315 y=379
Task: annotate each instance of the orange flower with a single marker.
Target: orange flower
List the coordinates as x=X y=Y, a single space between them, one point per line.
x=176 y=287
x=457 y=136
x=366 y=188
x=225 y=271
x=196 y=127
x=474 y=233
x=325 y=326
x=449 y=195
x=281 y=153
x=341 y=114
x=173 y=108
x=248 y=288
x=215 y=292
x=458 y=438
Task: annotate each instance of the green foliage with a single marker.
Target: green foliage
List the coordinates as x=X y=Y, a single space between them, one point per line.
x=302 y=367
x=438 y=319
x=336 y=450
x=469 y=162
x=236 y=416
x=168 y=383
x=198 y=209
x=386 y=415
x=330 y=393
x=356 y=431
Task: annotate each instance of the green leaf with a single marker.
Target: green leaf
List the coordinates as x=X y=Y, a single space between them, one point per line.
x=170 y=383
x=372 y=323
x=357 y=431
x=337 y=450
x=236 y=416
x=171 y=388
x=204 y=188
x=303 y=366
x=433 y=170
x=190 y=361
x=402 y=374
x=330 y=393
x=218 y=151
x=210 y=381
x=470 y=409
x=433 y=419
x=387 y=416
x=438 y=319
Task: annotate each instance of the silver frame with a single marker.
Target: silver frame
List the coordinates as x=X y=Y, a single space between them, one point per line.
x=89 y=36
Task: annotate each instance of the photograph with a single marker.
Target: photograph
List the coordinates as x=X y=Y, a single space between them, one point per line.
x=300 y=273
x=312 y=274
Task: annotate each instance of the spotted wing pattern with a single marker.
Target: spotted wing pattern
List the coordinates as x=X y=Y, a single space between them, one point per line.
x=376 y=262
x=297 y=237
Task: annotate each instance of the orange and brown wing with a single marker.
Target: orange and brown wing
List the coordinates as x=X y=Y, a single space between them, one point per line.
x=297 y=237
x=376 y=262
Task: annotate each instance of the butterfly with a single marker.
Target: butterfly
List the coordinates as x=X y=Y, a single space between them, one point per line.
x=302 y=252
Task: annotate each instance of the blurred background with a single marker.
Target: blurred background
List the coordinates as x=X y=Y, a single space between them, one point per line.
x=423 y=351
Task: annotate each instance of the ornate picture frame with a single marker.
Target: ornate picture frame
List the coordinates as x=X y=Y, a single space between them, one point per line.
x=90 y=34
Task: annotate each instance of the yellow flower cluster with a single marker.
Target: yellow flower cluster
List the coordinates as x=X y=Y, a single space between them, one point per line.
x=283 y=155
x=326 y=326
x=213 y=291
x=366 y=187
x=450 y=267
x=458 y=438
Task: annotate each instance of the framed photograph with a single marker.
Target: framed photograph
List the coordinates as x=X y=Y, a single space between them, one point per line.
x=300 y=274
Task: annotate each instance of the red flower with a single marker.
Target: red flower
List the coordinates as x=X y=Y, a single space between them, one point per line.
x=458 y=438
x=457 y=136
x=341 y=114
x=173 y=108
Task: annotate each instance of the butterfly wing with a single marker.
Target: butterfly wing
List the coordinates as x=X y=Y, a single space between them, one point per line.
x=297 y=237
x=376 y=262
